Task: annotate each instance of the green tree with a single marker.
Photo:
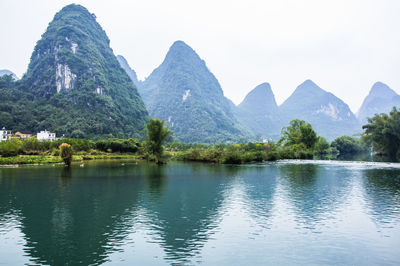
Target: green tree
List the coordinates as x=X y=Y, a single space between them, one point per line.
x=156 y=135
x=347 y=145
x=383 y=133
x=10 y=148
x=78 y=134
x=323 y=150
x=297 y=141
x=6 y=81
x=299 y=132
x=66 y=153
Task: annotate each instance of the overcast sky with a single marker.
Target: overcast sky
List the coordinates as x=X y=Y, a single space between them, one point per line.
x=343 y=45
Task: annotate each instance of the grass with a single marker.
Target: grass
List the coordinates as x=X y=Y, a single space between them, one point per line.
x=30 y=159
x=49 y=159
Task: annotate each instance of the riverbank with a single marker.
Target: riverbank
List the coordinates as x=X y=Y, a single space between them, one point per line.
x=212 y=156
x=31 y=151
x=50 y=159
x=195 y=155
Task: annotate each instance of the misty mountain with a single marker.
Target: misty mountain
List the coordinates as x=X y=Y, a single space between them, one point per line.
x=131 y=73
x=184 y=93
x=381 y=99
x=328 y=114
x=259 y=112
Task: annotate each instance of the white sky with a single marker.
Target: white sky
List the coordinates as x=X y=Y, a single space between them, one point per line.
x=343 y=45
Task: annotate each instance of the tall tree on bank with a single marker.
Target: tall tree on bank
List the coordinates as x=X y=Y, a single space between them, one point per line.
x=299 y=132
x=383 y=133
x=157 y=133
x=298 y=140
x=66 y=153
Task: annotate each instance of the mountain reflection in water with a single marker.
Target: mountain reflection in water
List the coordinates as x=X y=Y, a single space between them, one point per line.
x=275 y=213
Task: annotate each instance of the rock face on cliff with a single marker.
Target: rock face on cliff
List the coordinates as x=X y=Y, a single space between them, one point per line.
x=184 y=93
x=381 y=99
x=328 y=115
x=74 y=73
x=259 y=112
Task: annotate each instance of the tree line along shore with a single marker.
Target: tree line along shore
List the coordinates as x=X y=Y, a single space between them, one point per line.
x=381 y=138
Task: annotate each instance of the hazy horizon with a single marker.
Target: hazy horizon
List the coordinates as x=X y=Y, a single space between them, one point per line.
x=343 y=47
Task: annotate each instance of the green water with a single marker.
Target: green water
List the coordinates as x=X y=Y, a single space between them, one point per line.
x=284 y=213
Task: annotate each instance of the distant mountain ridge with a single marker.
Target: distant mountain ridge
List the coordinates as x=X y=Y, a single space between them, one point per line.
x=131 y=73
x=381 y=99
x=8 y=72
x=328 y=114
x=184 y=93
x=260 y=113
x=75 y=85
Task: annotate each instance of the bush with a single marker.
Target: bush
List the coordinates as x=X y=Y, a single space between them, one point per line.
x=348 y=145
x=212 y=155
x=272 y=156
x=93 y=152
x=232 y=157
x=259 y=156
x=295 y=151
x=66 y=153
x=118 y=145
x=55 y=152
x=10 y=148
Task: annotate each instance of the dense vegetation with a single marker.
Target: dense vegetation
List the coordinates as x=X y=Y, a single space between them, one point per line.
x=348 y=147
x=231 y=154
x=383 y=133
x=298 y=141
x=32 y=146
x=74 y=84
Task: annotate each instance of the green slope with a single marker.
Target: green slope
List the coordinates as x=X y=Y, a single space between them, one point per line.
x=184 y=93
x=74 y=84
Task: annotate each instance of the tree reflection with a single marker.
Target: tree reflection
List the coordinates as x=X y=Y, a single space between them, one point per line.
x=155 y=178
x=315 y=191
x=382 y=194
x=65 y=176
x=78 y=220
x=260 y=186
x=187 y=210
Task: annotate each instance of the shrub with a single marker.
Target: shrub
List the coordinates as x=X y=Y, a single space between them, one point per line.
x=232 y=157
x=55 y=152
x=272 y=156
x=10 y=148
x=118 y=145
x=66 y=153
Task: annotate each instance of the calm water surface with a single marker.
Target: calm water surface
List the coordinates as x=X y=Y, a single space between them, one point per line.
x=284 y=213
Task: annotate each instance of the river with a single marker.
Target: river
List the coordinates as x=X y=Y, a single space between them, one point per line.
x=280 y=213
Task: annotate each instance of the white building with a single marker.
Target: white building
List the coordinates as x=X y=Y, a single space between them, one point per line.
x=46 y=135
x=5 y=134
